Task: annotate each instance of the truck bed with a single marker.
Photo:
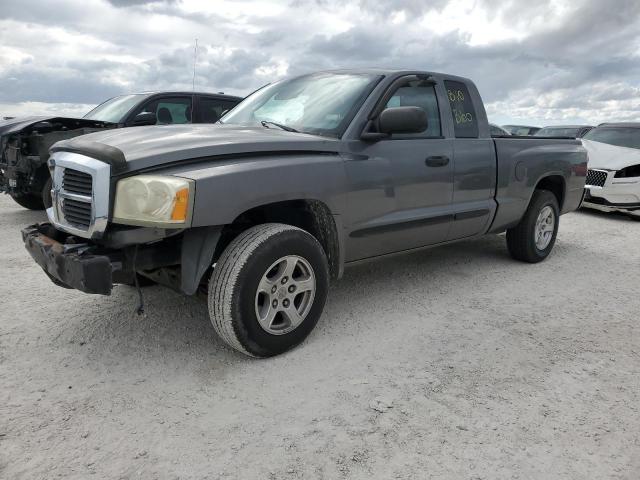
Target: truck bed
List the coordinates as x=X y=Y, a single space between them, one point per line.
x=523 y=161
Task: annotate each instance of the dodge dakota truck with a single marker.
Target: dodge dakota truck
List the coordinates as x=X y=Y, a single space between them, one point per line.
x=25 y=142
x=306 y=176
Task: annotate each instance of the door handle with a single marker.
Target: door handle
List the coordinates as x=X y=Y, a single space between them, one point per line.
x=437 y=161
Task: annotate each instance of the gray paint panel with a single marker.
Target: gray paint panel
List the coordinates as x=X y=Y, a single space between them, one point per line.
x=395 y=197
x=523 y=162
x=227 y=188
x=474 y=186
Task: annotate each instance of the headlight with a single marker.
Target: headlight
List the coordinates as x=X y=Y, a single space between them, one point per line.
x=154 y=200
x=628 y=172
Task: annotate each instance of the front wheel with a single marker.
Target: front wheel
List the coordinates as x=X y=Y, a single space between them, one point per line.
x=268 y=289
x=533 y=238
x=46 y=193
x=28 y=200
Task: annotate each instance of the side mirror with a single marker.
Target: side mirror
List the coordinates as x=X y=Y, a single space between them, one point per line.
x=402 y=120
x=145 y=118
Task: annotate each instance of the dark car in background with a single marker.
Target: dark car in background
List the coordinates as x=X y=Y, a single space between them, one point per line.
x=25 y=142
x=521 y=130
x=564 y=131
x=168 y=108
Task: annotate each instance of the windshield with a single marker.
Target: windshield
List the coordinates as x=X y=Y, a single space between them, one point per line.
x=115 y=109
x=618 y=136
x=557 y=132
x=321 y=104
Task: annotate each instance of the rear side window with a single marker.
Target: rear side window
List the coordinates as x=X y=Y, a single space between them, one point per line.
x=172 y=111
x=169 y=110
x=465 y=122
x=421 y=94
x=212 y=109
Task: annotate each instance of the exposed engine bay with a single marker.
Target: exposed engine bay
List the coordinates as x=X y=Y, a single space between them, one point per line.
x=24 y=151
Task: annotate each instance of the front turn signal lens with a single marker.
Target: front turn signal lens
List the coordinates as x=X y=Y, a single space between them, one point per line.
x=181 y=206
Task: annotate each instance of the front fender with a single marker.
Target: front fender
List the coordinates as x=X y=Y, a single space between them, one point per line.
x=223 y=191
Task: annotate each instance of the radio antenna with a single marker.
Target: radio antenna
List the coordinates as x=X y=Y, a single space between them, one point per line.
x=195 y=61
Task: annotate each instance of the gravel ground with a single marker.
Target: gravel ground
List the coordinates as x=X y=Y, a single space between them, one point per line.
x=451 y=363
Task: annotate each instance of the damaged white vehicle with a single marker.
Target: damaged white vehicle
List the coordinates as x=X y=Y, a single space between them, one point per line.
x=613 y=180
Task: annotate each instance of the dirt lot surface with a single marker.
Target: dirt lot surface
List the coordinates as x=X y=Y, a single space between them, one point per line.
x=451 y=363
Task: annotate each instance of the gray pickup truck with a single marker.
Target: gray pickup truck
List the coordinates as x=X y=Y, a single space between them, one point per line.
x=304 y=177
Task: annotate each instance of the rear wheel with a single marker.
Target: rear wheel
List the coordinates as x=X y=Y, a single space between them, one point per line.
x=534 y=237
x=268 y=289
x=28 y=200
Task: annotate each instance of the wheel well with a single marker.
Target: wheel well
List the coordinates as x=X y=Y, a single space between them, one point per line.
x=310 y=215
x=554 y=184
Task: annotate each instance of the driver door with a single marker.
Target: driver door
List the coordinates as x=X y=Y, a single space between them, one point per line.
x=401 y=188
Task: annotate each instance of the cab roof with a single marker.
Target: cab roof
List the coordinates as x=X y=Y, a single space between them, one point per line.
x=182 y=92
x=389 y=72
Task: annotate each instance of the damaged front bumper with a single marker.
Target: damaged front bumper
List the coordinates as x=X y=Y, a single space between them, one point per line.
x=71 y=263
x=604 y=205
x=74 y=262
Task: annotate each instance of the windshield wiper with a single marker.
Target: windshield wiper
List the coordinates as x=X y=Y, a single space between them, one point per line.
x=266 y=123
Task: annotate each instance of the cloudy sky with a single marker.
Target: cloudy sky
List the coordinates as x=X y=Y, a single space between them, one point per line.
x=535 y=62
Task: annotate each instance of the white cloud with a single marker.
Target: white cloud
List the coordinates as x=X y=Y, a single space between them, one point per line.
x=539 y=62
x=45 y=109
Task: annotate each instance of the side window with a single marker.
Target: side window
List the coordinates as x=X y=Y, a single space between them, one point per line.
x=465 y=123
x=211 y=109
x=419 y=93
x=170 y=110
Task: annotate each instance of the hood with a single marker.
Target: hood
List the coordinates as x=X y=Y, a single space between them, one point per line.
x=58 y=123
x=135 y=148
x=610 y=157
x=15 y=124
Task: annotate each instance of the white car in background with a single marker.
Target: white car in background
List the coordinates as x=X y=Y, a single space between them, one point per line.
x=613 y=179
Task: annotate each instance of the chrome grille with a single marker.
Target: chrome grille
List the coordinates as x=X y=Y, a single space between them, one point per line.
x=80 y=194
x=77 y=213
x=596 y=178
x=75 y=181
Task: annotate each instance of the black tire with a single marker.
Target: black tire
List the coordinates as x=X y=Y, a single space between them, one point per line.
x=521 y=239
x=234 y=284
x=46 y=193
x=28 y=200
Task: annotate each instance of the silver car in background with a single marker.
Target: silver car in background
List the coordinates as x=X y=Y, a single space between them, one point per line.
x=521 y=130
x=564 y=131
